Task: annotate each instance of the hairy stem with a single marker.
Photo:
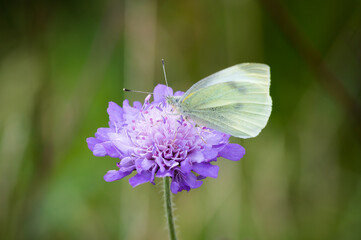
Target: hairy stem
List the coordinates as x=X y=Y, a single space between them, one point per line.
x=168 y=206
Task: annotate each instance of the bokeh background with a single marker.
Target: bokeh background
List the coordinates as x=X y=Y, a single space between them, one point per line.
x=61 y=62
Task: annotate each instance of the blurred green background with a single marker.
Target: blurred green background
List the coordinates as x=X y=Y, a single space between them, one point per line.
x=61 y=62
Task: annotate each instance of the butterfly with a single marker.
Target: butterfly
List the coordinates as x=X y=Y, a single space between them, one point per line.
x=235 y=100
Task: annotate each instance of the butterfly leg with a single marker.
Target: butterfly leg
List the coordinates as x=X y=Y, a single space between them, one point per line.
x=175 y=135
x=186 y=118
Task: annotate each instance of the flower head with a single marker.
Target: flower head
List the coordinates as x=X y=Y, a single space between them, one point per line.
x=154 y=141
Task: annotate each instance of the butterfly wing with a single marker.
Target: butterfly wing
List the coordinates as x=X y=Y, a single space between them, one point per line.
x=235 y=100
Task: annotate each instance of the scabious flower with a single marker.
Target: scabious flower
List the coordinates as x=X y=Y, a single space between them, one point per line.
x=154 y=141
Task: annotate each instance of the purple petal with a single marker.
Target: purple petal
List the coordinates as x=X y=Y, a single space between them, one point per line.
x=102 y=146
x=160 y=164
x=92 y=142
x=178 y=93
x=163 y=174
x=196 y=156
x=160 y=92
x=99 y=150
x=210 y=153
x=146 y=100
x=126 y=164
x=102 y=134
x=128 y=109
x=126 y=105
x=174 y=187
x=115 y=112
x=200 y=177
x=147 y=164
x=206 y=169
x=152 y=175
x=181 y=181
x=214 y=137
x=111 y=151
x=138 y=165
x=232 y=152
x=121 y=142
x=186 y=166
x=191 y=181
x=140 y=178
x=138 y=105
x=127 y=161
x=114 y=175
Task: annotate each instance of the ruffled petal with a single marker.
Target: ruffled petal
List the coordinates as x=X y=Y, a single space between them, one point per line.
x=102 y=148
x=147 y=164
x=160 y=164
x=99 y=150
x=210 y=153
x=186 y=166
x=138 y=165
x=138 y=105
x=152 y=174
x=138 y=179
x=206 y=169
x=232 y=152
x=160 y=92
x=131 y=112
x=215 y=138
x=126 y=164
x=121 y=142
x=192 y=181
x=163 y=174
x=110 y=149
x=115 y=112
x=92 y=142
x=102 y=134
x=182 y=181
x=196 y=156
x=114 y=175
x=178 y=93
x=174 y=187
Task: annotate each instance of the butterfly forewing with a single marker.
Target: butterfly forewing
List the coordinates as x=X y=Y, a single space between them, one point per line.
x=235 y=100
x=244 y=72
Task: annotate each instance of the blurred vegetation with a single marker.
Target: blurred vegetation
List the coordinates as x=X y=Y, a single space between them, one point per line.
x=61 y=62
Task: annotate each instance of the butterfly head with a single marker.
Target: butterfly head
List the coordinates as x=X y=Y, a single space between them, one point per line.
x=173 y=101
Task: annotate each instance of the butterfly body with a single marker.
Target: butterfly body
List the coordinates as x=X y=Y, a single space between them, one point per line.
x=235 y=100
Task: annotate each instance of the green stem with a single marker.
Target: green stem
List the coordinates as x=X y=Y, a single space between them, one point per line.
x=169 y=208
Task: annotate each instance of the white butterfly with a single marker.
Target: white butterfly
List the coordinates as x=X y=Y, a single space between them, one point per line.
x=235 y=100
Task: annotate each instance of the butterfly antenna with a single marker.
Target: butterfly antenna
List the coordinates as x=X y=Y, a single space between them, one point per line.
x=165 y=77
x=128 y=90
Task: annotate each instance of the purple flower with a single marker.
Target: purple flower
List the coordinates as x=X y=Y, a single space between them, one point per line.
x=153 y=141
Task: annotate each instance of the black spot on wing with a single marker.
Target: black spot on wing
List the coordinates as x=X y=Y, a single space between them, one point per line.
x=225 y=108
x=238 y=106
x=234 y=86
